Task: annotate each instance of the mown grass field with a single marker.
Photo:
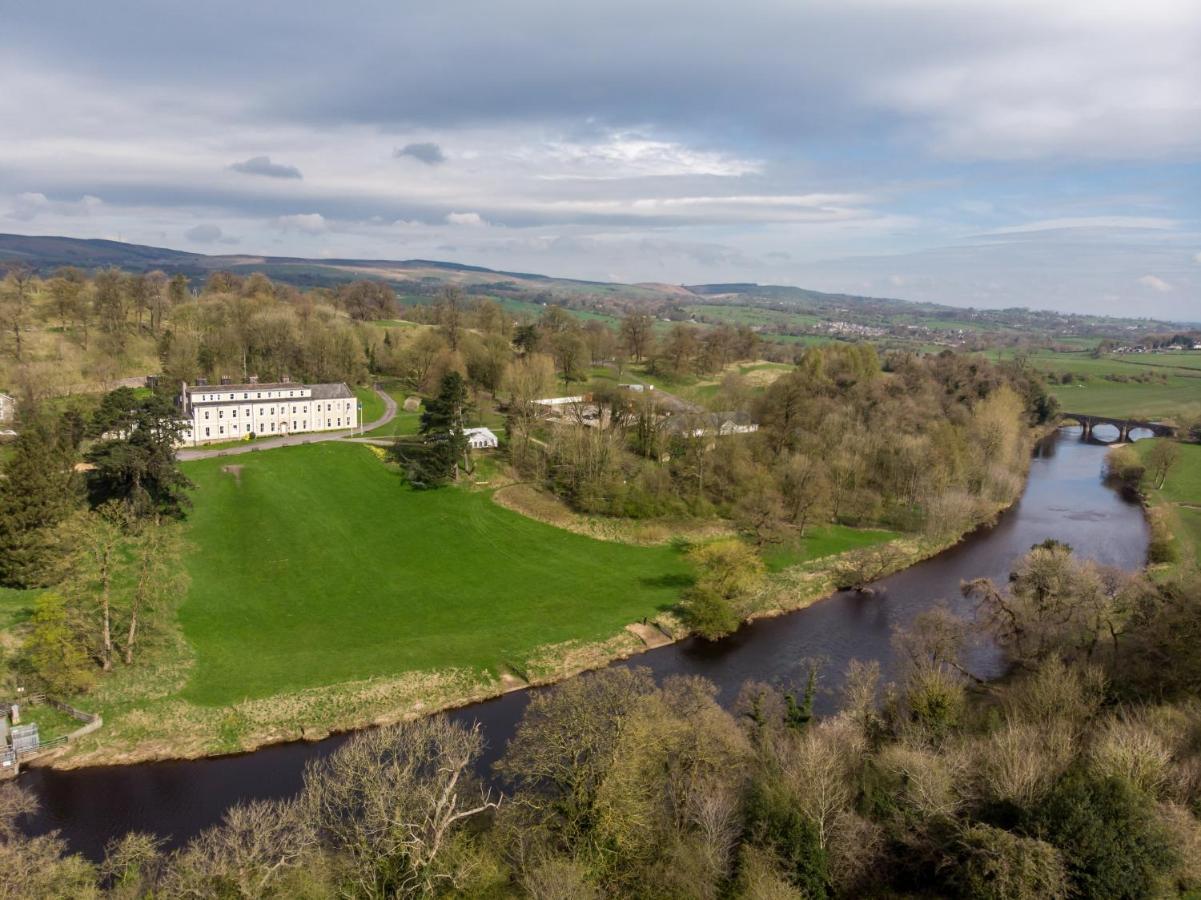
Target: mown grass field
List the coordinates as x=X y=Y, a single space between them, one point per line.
x=1178 y=390
x=823 y=540
x=1180 y=496
x=315 y=565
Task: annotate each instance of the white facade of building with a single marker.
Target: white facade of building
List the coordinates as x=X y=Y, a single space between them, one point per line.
x=230 y=412
x=481 y=438
x=8 y=408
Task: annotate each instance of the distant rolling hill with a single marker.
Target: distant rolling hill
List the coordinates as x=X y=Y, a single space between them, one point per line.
x=417 y=278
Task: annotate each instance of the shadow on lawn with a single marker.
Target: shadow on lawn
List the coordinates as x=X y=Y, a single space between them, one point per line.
x=674 y=579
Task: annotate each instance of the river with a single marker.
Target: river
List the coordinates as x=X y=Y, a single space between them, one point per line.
x=1065 y=498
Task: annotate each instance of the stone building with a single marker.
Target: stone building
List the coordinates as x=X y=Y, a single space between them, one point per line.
x=229 y=412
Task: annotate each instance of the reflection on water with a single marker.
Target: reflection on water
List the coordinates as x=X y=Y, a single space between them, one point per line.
x=1064 y=499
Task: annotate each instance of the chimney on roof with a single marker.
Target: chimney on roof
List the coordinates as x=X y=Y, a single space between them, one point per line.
x=285 y=379
x=254 y=379
x=225 y=380
x=202 y=382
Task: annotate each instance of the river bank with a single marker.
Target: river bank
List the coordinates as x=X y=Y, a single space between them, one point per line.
x=1065 y=499
x=155 y=723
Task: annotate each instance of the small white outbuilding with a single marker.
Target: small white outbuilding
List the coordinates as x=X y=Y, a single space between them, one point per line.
x=480 y=438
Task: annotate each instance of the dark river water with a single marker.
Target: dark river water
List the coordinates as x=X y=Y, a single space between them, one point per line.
x=1065 y=499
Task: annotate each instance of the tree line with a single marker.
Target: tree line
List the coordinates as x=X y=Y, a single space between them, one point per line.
x=89 y=514
x=1076 y=776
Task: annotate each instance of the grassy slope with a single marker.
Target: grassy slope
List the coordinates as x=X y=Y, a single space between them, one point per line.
x=821 y=541
x=318 y=566
x=1180 y=496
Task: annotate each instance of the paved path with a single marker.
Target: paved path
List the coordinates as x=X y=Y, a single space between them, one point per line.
x=293 y=439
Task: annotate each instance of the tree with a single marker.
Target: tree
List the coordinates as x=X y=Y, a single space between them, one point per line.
x=805 y=490
x=680 y=348
x=729 y=573
x=109 y=302
x=450 y=314
x=1161 y=458
x=1110 y=839
x=566 y=745
x=156 y=555
x=392 y=800
x=38 y=490
x=53 y=650
x=437 y=459
x=571 y=356
x=637 y=330
x=366 y=300
x=95 y=543
x=134 y=459
x=16 y=301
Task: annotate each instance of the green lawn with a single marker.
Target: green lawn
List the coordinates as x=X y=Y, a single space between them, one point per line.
x=372 y=403
x=315 y=565
x=16 y=606
x=1181 y=495
x=825 y=540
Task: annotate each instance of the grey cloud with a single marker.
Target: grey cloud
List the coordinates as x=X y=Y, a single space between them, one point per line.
x=204 y=234
x=427 y=152
x=262 y=165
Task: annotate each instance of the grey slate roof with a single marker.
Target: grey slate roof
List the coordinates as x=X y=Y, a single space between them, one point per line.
x=319 y=391
x=331 y=391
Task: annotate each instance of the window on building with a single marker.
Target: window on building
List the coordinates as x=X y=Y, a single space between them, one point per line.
x=293 y=424
x=220 y=414
x=245 y=396
x=235 y=413
x=206 y=413
x=206 y=432
x=339 y=421
x=231 y=396
x=259 y=395
x=221 y=430
x=272 y=426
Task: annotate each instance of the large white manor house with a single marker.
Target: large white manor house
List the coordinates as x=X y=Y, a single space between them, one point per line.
x=229 y=412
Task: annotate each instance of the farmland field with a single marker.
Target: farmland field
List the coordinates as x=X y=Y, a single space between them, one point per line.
x=1137 y=385
x=316 y=565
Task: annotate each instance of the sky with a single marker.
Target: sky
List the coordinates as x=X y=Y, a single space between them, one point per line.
x=986 y=153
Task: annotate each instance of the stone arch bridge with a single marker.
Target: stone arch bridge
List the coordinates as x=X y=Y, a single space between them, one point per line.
x=1123 y=425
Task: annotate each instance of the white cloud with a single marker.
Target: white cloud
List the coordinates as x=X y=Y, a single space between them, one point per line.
x=1155 y=283
x=30 y=205
x=1152 y=222
x=305 y=223
x=465 y=218
x=633 y=156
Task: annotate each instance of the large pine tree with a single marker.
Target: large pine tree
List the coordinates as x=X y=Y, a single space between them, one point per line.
x=39 y=489
x=436 y=459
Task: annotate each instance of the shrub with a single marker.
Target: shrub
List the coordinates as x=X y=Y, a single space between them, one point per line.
x=776 y=824
x=710 y=614
x=1112 y=844
x=993 y=864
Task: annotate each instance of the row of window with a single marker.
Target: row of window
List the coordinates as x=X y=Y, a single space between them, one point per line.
x=246 y=395
x=234 y=413
x=329 y=423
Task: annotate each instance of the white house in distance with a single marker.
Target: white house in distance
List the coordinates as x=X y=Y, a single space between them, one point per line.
x=230 y=412
x=481 y=438
x=8 y=408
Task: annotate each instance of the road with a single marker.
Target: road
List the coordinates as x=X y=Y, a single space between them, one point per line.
x=292 y=440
